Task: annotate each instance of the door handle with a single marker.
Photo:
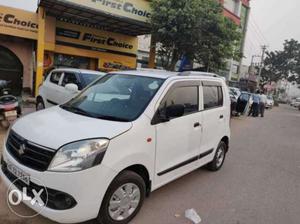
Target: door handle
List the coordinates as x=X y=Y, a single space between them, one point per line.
x=197 y=124
x=221 y=116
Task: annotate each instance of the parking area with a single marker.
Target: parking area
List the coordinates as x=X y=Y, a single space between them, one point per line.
x=259 y=183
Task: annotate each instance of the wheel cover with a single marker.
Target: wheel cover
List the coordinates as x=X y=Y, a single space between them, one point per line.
x=220 y=156
x=124 y=201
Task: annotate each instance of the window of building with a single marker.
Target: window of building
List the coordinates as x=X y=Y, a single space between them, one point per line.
x=55 y=77
x=233 y=6
x=213 y=96
x=187 y=96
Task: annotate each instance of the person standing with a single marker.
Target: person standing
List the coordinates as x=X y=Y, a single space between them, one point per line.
x=262 y=103
x=255 y=105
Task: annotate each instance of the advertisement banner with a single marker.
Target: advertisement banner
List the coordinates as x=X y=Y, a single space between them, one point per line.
x=18 y=23
x=134 y=9
x=96 y=40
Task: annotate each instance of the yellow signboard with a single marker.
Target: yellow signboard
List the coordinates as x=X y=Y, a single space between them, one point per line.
x=134 y=9
x=18 y=23
x=73 y=35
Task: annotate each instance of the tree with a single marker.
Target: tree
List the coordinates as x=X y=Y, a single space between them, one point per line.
x=283 y=64
x=195 y=29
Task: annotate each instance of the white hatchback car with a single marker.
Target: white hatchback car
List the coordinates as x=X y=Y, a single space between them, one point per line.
x=63 y=84
x=129 y=133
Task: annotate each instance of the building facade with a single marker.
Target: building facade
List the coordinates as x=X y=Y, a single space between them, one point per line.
x=69 y=33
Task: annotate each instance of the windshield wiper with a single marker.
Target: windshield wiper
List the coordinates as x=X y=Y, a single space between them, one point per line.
x=77 y=110
x=112 y=118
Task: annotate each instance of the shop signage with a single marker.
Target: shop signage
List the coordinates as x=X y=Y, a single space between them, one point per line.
x=134 y=9
x=92 y=39
x=18 y=23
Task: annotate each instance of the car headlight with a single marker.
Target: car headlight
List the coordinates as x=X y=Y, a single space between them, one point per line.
x=79 y=155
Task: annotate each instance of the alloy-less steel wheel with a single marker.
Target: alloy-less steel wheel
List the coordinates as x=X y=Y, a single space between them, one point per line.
x=123 y=199
x=219 y=158
x=40 y=104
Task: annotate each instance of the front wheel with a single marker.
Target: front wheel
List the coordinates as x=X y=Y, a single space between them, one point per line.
x=219 y=158
x=40 y=104
x=123 y=199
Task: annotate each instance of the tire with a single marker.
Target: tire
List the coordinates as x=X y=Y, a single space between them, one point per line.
x=216 y=164
x=125 y=178
x=39 y=104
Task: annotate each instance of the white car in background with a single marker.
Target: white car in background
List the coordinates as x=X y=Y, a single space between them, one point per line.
x=297 y=103
x=270 y=102
x=63 y=84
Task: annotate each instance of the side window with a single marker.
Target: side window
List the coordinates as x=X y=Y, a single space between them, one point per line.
x=213 y=96
x=186 y=96
x=70 y=78
x=55 y=77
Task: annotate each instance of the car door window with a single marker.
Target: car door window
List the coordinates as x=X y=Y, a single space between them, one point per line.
x=212 y=96
x=55 y=77
x=70 y=78
x=187 y=96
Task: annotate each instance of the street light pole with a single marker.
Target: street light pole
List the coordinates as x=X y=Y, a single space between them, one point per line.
x=264 y=48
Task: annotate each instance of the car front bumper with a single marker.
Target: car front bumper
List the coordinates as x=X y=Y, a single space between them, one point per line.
x=87 y=187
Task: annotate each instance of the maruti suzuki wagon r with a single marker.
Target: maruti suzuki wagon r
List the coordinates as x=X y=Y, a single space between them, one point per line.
x=129 y=133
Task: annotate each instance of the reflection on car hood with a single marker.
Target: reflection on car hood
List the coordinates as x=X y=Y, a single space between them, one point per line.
x=55 y=127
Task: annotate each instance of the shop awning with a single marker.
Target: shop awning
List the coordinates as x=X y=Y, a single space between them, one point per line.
x=125 y=17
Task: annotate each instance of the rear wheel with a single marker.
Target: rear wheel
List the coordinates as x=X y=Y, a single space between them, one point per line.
x=40 y=104
x=219 y=158
x=123 y=199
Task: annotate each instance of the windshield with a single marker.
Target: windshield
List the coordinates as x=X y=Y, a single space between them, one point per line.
x=115 y=97
x=89 y=78
x=270 y=98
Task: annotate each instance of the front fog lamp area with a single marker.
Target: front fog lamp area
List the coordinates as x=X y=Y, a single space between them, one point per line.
x=79 y=155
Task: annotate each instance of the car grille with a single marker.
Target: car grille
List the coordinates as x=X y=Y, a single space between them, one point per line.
x=50 y=199
x=29 y=154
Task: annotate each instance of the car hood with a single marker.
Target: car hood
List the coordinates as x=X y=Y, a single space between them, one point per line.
x=55 y=127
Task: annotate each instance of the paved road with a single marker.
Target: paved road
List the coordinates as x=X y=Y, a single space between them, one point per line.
x=259 y=183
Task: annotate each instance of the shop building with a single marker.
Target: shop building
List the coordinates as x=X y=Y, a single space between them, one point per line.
x=98 y=35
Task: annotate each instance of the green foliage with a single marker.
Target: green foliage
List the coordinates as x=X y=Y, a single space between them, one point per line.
x=196 y=29
x=284 y=64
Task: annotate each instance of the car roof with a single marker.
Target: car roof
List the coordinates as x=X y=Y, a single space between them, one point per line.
x=78 y=71
x=163 y=74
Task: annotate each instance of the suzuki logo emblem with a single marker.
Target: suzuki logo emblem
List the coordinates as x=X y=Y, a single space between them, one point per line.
x=22 y=149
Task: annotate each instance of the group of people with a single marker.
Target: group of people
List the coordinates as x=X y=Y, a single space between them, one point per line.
x=258 y=105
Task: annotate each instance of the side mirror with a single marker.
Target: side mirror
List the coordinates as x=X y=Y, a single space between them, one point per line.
x=73 y=88
x=176 y=110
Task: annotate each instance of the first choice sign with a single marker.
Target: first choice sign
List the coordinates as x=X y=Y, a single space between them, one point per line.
x=127 y=7
x=134 y=9
x=19 y=23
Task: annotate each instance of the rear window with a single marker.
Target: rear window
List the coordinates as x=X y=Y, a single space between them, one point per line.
x=212 y=96
x=55 y=77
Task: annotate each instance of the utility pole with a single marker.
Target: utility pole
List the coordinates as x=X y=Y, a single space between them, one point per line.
x=264 y=48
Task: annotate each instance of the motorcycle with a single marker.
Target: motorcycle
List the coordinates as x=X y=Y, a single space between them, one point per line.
x=10 y=108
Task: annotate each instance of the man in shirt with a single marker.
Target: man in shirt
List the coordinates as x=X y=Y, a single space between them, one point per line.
x=262 y=103
x=255 y=105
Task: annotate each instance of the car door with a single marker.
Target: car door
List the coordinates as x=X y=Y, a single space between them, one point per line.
x=68 y=78
x=178 y=140
x=53 y=87
x=214 y=116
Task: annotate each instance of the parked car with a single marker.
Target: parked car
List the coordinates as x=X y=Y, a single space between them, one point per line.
x=297 y=102
x=63 y=84
x=244 y=103
x=270 y=102
x=235 y=91
x=126 y=135
x=292 y=102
